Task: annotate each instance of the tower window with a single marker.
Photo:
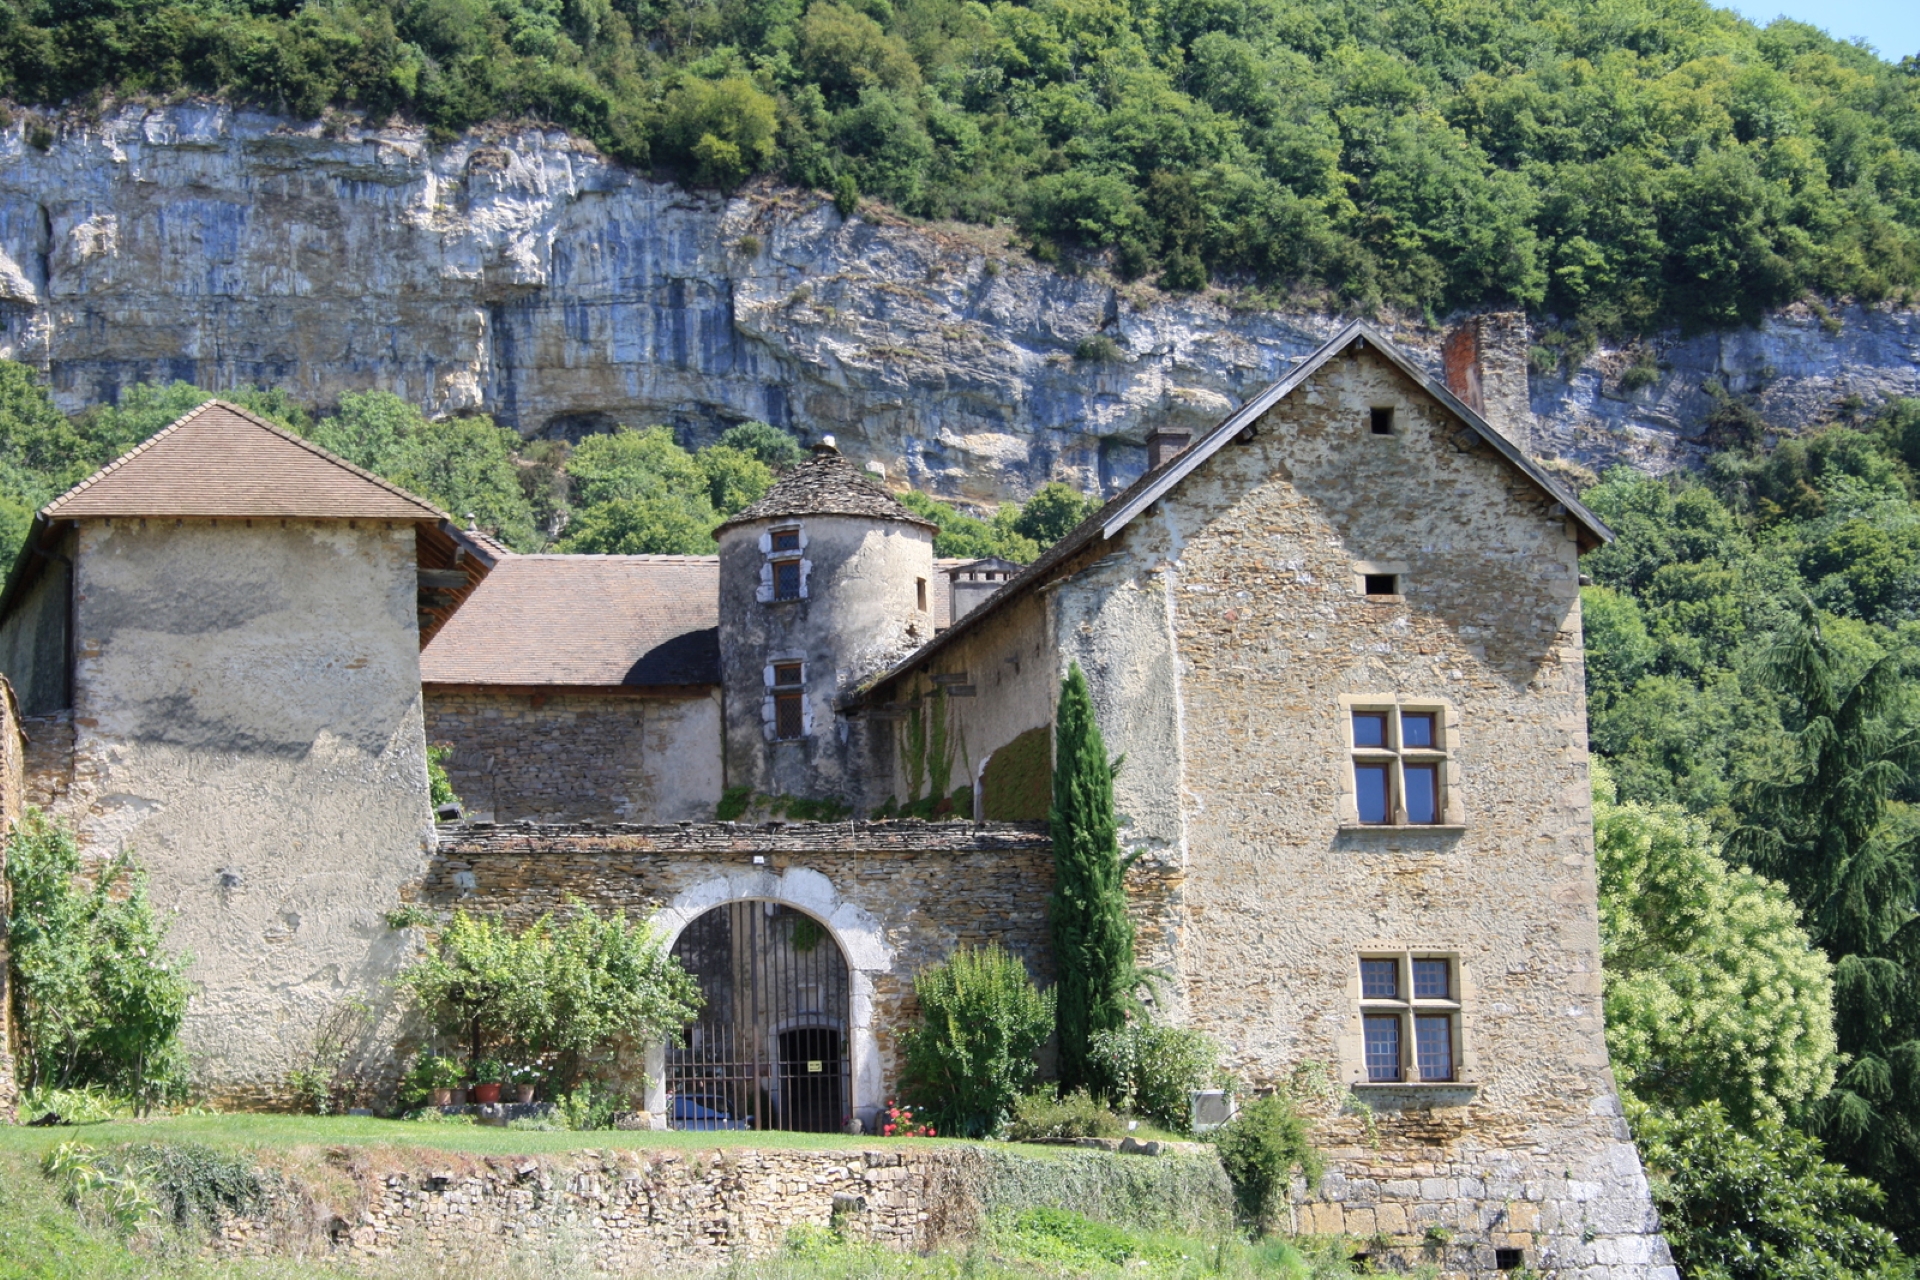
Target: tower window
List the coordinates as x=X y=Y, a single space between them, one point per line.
x=786 y=579
x=1380 y=421
x=786 y=540
x=789 y=701
x=1382 y=584
x=920 y=593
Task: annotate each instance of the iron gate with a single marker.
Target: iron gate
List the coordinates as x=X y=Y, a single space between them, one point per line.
x=769 y=1049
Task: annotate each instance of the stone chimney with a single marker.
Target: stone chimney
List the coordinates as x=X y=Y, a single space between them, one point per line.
x=1164 y=445
x=1486 y=366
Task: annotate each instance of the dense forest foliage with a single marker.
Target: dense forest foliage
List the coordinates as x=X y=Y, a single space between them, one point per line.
x=623 y=493
x=1618 y=163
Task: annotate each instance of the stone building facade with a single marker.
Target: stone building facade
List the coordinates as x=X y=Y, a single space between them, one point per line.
x=221 y=634
x=1337 y=638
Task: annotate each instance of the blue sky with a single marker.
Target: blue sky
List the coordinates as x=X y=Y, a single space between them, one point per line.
x=1891 y=26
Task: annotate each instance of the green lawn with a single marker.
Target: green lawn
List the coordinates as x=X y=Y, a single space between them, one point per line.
x=247 y=1130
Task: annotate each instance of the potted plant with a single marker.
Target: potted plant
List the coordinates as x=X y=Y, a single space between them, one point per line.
x=486 y=1080
x=434 y=1077
x=524 y=1078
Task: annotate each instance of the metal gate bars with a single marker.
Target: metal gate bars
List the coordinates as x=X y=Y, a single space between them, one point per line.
x=769 y=1049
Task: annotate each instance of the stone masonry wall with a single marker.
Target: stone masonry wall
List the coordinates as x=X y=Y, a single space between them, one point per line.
x=643 y=1211
x=1261 y=552
x=578 y=756
x=897 y=897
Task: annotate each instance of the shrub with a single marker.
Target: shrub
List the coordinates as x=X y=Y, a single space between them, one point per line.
x=97 y=998
x=981 y=1022
x=576 y=992
x=1261 y=1149
x=1096 y=349
x=1151 y=1070
x=722 y=131
x=1043 y=1116
x=431 y=1071
x=1759 y=1205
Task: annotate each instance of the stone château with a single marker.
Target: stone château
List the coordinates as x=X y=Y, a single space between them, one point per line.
x=1336 y=636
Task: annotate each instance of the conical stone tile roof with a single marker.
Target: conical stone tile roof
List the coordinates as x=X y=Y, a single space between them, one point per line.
x=826 y=485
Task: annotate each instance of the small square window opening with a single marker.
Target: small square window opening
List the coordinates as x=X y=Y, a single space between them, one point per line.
x=786 y=579
x=1369 y=728
x=1382 y=584
x=786 y=673
x=1432 y=979
x=1380 y=421
x=786 y=540
x=1416 y=729
x=1509 y=1259
x=1380 y=979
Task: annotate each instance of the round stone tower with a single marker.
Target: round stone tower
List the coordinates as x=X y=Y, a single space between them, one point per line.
x=824 y=581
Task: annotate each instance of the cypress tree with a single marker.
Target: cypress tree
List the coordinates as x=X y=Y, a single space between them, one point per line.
x=1092 y=933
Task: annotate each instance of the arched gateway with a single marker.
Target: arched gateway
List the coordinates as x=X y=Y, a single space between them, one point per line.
x=771 y=1047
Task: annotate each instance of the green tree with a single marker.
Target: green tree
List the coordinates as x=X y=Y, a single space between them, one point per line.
x=981 y=1023
x=1051 y=514
x=770 y=445
x=1759 y=1202
x=735 y=477
x=721 y=132
x=1087 y=910
x=1713 y=990
x=97 y=999
x=1823 y=829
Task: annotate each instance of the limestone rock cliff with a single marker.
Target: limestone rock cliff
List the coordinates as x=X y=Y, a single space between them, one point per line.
x=519 y=273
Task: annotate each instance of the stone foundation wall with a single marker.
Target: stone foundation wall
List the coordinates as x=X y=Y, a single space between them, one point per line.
x=627 y=1211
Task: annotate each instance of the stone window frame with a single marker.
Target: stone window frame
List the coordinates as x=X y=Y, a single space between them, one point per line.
x=766 y=593
x=1443 y=755
x=1460 y=1009
x=1364 y=569
x=770 y=703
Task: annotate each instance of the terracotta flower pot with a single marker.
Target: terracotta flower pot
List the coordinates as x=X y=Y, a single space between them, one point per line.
x=525 y=1093
x=485 y=1093
x=442 y=1097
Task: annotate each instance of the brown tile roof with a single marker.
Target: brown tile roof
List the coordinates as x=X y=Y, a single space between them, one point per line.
x=220 y=460
x=826 y=485
x=584 y=620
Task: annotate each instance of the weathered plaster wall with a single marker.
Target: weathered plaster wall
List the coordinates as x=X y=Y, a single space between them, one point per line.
x=13 y=787
x=602 y=756
x=247 y=717
x=896 y=897
x=860 y=611
x=33 y=640
x=1010 y=665
x=1258 y=552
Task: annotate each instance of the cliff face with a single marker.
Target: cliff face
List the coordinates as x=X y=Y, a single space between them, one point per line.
x=518 y=273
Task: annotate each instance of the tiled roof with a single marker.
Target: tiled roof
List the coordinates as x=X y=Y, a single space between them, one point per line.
x=826 y=485
x=220 y=460
x=584 y=620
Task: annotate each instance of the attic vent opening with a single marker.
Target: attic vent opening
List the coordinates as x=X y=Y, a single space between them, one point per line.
x=1380 y=420
x=1382 y=584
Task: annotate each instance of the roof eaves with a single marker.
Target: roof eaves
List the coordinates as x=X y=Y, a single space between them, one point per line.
x=1251 y=412
x=52 y=509
x=1150 y=487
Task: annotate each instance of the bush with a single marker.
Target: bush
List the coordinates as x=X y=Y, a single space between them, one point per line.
x=1261 y=1149
x=1043 y=1116
x=431 y=1071
x=1760 y=1205
x=97 y=998
x=1152 y=1070
x=981 y=1022
x=576 y=993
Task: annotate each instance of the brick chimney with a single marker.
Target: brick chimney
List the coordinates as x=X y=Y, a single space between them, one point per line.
x=1164 y=445
x=1486 y=366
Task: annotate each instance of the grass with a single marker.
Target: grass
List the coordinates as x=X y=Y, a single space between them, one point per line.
x=250 y=1130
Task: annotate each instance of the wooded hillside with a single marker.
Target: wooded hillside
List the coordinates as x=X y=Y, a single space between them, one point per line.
x=1620 y=164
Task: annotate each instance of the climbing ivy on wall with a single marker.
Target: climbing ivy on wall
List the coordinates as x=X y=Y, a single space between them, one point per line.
x=929 y=747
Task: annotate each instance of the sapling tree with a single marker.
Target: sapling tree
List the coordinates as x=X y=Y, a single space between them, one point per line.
x=1092 y=933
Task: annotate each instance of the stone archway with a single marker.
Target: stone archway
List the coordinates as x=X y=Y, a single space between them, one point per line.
x=851 y=929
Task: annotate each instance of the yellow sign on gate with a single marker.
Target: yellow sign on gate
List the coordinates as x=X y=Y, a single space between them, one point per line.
x=814 y=1064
